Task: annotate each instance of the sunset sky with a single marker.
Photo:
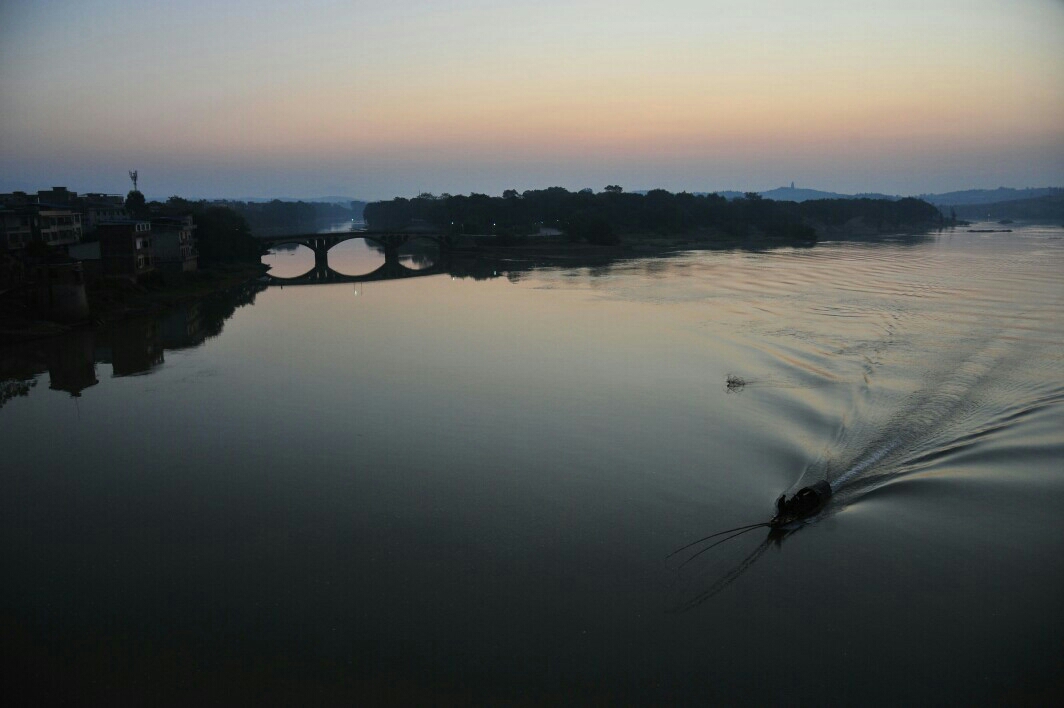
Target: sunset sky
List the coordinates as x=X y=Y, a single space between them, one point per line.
x=378 y=99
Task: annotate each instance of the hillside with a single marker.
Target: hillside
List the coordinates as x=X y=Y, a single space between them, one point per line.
x=1047 y=208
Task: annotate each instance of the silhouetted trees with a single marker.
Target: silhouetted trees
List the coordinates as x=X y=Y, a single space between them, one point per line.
x=604 y=217
x=223 y=236
x=591 y=228
x=135 y=205
x=278 y=217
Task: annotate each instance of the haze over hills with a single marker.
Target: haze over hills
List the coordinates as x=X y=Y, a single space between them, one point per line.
x=1029 y=203
x=332 y=199
x=780 y=194
x=1045 y=208
x=967 y=196
x=990 y=196
x=801 y=194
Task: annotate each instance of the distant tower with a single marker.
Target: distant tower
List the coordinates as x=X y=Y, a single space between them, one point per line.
x=792 y=185
x=133 y=176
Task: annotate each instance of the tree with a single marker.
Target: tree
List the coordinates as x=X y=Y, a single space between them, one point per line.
x=135 y=203
x=510 y=194
x=614 y=188
x=223 y=236
x=591 y=228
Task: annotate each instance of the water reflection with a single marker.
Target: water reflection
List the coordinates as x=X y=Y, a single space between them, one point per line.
x=289 y=260
x=415 y=254
x=353 y=257
x=361 y=258
x=70 y=362
x=130 y=347
x=529 y=453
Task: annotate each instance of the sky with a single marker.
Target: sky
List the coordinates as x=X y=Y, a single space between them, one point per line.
x=379 y=99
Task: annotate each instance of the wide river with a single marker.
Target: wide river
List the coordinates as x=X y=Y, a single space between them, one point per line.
x=461 y=489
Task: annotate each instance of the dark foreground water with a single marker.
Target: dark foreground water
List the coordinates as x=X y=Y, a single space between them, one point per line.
x=464 y=489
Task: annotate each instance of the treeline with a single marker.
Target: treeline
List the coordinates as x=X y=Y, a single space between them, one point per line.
x=278 y=217
x=878 y=214
x=226 y=230
x=606 y=216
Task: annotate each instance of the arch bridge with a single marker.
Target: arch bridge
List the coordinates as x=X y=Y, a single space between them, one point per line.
x=390 y=240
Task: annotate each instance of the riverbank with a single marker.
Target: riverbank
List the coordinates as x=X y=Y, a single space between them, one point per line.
x=111 y=300
x=641 y=243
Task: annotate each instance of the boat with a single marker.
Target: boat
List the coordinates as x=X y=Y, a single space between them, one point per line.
x=806 y=502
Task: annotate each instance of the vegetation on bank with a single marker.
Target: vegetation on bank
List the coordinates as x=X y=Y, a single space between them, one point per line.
x=277 y=218
x=228 y=228
x=608 y=216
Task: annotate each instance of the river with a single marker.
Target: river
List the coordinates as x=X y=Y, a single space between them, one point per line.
x=465 y=486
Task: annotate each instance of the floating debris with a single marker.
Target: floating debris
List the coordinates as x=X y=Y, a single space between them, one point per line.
x=735 y=383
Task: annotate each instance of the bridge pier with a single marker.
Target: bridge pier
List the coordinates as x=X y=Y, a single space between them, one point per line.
x=391 y=254
x=321 y=255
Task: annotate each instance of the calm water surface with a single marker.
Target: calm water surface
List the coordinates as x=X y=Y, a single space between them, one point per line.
x=461 y=488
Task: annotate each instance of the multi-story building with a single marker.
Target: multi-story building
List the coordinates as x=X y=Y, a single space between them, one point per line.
x=173 y=243
x=126 y=248
x=16 y=228
x=57 y=227
x=54 y=226
x=58 y=196
x=16 y=199
x=97 y=209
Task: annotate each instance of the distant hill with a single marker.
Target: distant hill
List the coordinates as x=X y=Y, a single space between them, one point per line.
x=1047 y=208
x=319 y=200
x=799 y=194
x=966 y=197
x=989 y=196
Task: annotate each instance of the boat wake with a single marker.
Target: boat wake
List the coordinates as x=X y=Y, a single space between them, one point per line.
x=956 y=408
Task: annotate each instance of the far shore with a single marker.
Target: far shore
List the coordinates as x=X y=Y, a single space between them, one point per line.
x=111 y=300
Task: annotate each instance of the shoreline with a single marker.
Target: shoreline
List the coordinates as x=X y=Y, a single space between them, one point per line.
x=113 y=300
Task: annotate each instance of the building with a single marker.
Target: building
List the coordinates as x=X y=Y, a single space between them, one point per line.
x=16 y=228
x=16 y=199
x=173 y=244
x=59 y=196
x=126 y=249
x=97 y=209
x=60 y=210
x=57 y=227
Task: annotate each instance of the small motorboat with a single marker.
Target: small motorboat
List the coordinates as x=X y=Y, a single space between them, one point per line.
x=806 y=502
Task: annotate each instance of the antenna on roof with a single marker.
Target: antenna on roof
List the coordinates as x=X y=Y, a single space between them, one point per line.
x=133 y=176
